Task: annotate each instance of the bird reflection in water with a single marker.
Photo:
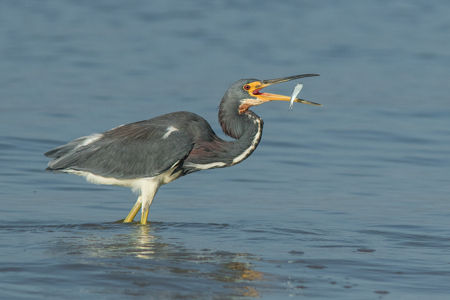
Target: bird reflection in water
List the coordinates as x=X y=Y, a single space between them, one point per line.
x=145 y=254
x=230 y=271
x=145 y=243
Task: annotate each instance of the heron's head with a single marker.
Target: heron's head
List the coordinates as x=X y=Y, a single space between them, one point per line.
x=246 y=93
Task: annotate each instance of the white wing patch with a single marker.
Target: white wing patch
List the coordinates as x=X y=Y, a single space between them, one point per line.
x=170 y=129
x=90 y=139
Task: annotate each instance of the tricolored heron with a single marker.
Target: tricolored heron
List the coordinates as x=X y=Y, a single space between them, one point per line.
x=147 y=154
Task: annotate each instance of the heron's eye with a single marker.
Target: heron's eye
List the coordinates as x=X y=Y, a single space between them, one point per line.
x=246 y=87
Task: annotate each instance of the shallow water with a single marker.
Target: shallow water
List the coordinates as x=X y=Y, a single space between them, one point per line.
x=345 y=201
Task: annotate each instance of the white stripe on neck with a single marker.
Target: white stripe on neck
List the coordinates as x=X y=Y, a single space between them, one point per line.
x=252 y=147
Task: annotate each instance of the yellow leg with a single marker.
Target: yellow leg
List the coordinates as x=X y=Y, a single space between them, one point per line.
x=144 y=217
x=134 y=211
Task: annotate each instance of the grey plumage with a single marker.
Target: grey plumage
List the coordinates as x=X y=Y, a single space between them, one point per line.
x=135 y=150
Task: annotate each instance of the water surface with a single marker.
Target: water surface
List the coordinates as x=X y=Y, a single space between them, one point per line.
x=345 y=201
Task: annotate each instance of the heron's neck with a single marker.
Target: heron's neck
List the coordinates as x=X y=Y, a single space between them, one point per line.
x=247 y=129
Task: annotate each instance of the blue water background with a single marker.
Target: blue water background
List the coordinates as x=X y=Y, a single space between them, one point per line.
x=345 y=201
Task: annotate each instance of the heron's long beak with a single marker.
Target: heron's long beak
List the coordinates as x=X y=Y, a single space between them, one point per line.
x=256 y=86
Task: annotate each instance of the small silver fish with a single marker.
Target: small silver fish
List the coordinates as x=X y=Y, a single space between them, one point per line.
x=295 y=92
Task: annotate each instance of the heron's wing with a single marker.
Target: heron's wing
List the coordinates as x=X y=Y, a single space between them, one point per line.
x=136 y=150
